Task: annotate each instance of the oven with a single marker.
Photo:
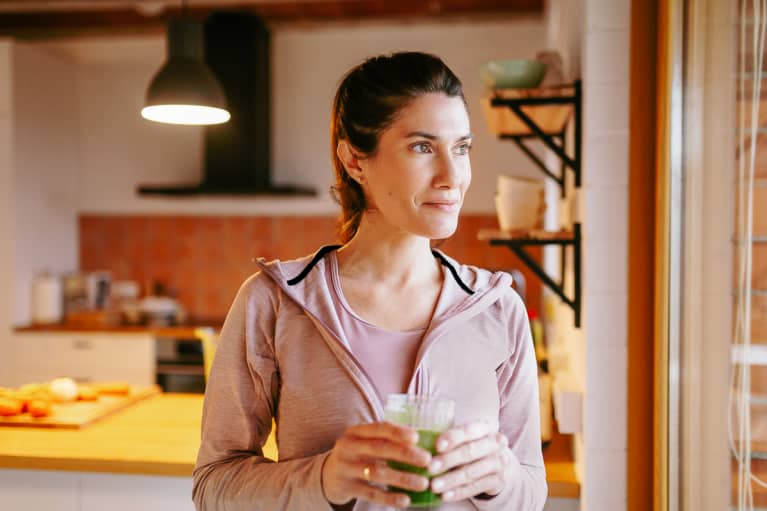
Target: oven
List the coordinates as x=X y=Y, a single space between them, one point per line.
x=180 y=366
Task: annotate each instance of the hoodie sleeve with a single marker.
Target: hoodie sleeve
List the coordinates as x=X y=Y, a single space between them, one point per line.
x=231 y=473
x=519 y=420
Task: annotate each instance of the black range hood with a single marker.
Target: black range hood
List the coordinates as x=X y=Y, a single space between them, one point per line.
x=237 y=153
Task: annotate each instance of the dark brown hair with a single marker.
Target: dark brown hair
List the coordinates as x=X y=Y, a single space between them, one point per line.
x=366 y=103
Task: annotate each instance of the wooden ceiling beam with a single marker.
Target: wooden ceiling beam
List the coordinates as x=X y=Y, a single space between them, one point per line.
x=51 y=23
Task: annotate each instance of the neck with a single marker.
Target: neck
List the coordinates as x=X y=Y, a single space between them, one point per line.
x=391 y=257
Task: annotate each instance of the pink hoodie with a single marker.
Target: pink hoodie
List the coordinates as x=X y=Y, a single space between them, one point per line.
x=282 y=354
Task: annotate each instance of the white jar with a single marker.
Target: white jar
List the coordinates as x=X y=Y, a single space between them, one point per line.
x=47 y=299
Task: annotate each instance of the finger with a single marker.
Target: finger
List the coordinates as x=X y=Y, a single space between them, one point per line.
x=489 y=483
x=469 y=473
x=356 y=448
x=364 y=491
x=467 y=452
x=465 y=433
x=380 y=473
x=388 y=430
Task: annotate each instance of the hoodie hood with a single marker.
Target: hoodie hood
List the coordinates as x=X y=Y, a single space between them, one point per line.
x=467 y=290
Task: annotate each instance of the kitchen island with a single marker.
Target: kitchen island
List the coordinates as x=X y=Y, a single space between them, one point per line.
x=142 y=458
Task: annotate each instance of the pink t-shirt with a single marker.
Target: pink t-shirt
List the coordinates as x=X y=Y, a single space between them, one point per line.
x=387 y=356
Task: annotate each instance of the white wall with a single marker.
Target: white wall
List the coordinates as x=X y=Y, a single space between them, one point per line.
x=119 y=149
x=564 y=32
x=72 y=139
x=567 y=344
x=44 y=169
x=6 y=208
x=302 y=106
x=597 y=352
x=38 y=177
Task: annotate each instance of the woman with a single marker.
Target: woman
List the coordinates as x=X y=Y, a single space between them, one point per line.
x=318 y=343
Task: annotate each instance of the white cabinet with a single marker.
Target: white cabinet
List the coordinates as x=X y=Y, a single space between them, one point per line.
x=39 y=490
x=117 y=492
x=44 y=490
x=42 y=356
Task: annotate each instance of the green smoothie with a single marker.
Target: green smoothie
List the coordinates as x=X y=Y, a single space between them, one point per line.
x=427 y=439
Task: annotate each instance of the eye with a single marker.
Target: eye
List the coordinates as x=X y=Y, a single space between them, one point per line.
x=421 y=147
x=463 y=148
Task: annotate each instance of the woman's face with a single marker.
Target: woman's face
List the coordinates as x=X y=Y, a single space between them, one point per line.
x=417 y=179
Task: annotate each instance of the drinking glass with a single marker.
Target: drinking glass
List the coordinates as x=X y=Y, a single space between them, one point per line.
x=430 y=416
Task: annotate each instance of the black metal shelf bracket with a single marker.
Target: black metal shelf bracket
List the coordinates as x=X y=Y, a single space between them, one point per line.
x=518 y=247
x=554 y=141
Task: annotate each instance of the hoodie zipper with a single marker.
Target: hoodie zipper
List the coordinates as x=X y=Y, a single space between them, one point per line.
x=375 y=401
x=365 y=382
x=420 y=379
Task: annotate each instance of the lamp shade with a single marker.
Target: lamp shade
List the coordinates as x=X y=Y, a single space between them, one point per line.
x=184 y=90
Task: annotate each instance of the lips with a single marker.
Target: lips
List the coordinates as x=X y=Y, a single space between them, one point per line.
x=444 y=205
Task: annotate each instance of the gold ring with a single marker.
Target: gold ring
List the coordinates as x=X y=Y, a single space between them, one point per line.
x=366 y=474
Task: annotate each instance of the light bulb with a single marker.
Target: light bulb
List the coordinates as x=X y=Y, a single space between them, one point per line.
x=193 y=115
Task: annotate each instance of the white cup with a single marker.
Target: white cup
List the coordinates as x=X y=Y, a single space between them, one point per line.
x=519 y=203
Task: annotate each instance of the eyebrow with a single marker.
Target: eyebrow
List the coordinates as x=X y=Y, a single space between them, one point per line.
x=429 y=136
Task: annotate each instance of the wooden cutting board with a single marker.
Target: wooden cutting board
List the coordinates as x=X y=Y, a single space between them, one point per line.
x=82 y=413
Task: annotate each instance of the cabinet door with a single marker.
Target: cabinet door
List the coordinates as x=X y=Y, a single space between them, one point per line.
x=117 y=492
x=123 y=357
x=39 y=490
x=85 y=357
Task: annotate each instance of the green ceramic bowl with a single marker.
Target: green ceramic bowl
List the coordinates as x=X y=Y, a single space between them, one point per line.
x=512 y=74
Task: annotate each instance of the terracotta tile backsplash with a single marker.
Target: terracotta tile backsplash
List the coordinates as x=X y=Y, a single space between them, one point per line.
x=203 y=260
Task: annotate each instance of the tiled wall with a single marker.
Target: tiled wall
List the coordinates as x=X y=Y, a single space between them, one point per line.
x=597 y=352
x=203 y=260
x=606 y=58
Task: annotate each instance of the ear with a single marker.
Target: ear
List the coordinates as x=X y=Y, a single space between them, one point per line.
x=351 y=162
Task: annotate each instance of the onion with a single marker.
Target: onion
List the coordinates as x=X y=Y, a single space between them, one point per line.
x=64 y=389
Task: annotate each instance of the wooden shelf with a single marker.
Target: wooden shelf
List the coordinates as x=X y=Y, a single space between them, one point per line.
x=526 y=236
x=523 y=114
x=516 y=241
x=550 y=108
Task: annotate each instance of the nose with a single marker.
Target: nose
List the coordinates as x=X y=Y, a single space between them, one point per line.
x=451 y=171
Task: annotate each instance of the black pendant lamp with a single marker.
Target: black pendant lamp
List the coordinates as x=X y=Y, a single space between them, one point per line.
x=184 y=90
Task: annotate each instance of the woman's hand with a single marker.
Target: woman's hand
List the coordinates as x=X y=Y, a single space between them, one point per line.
x=356 y=467
x=479 y=458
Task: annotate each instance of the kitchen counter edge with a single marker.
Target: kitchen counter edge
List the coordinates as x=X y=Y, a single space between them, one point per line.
x=174 y=420
x=188 y=330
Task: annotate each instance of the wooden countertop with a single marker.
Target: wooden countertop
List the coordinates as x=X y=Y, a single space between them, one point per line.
x=161 y=435
x=185 y=331
x=156 y=436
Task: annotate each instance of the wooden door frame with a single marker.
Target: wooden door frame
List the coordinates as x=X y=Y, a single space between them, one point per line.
x=706 y=291
x=643 y=107
x=654 y=238
x=679 y=77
